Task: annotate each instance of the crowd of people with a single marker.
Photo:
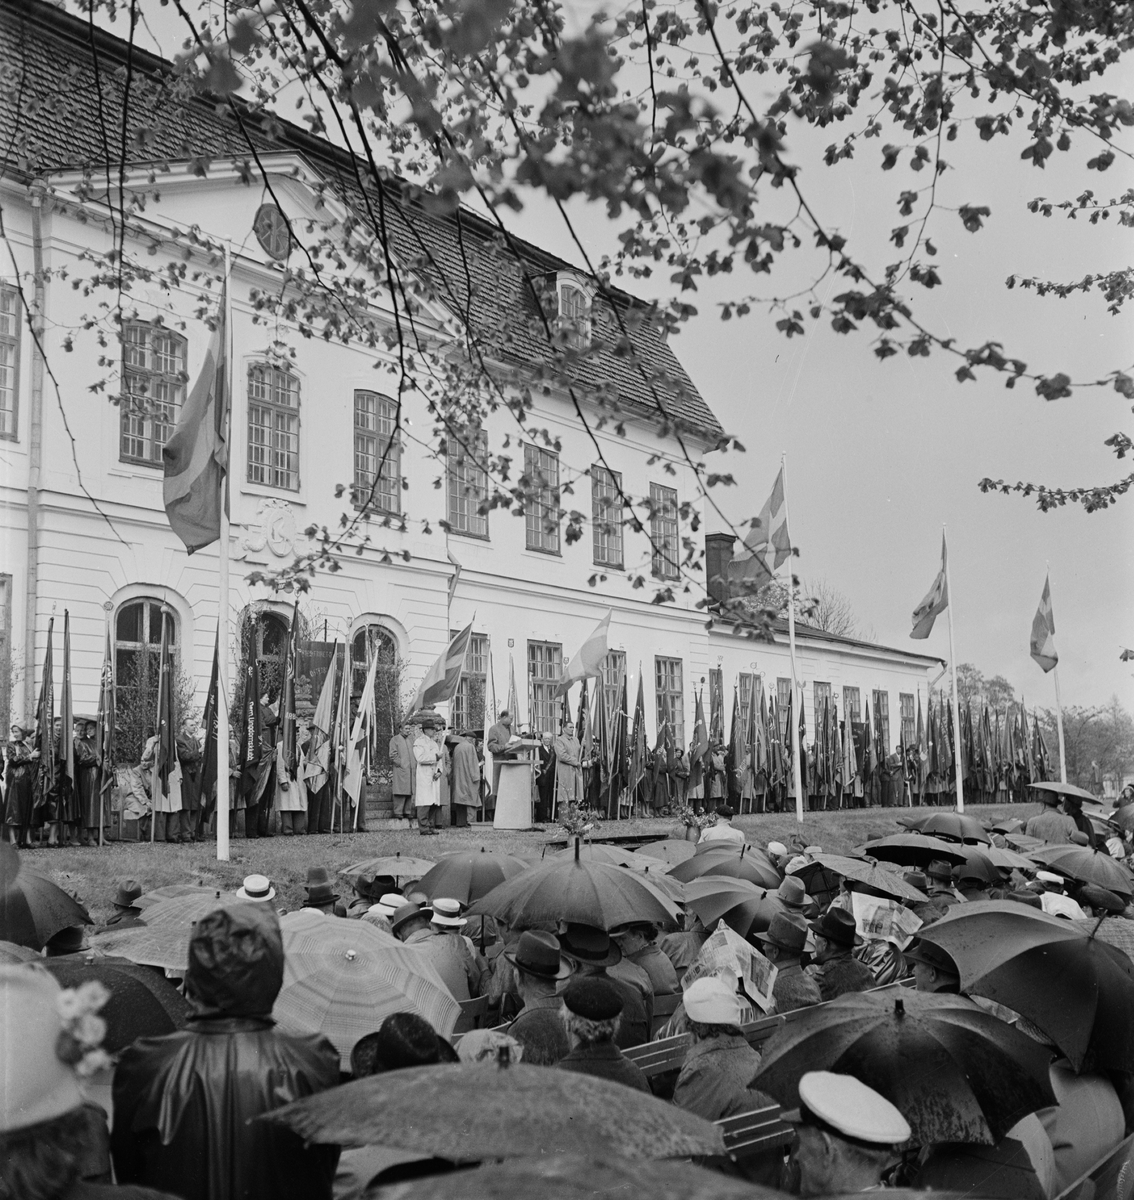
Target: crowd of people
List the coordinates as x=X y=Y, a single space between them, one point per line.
x=179 y=1116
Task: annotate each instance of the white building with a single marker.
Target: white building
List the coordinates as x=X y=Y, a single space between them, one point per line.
x=322 y=415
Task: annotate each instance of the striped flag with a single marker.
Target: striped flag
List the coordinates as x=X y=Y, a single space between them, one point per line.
x=1042 y=647
x=442 y=679
x=935 y=602
x=195 y=458
x=588 y=662
x=766 y=545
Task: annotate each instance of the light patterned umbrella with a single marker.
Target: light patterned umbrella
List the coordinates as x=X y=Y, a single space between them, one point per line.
x=151 y=946
x=478 y=1111
x=343 y=978
x=172 y=891
x=182 y=912
x=396 y=866
x=672 y=850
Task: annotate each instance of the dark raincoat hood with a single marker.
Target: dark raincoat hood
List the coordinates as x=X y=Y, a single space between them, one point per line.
x=236 y=962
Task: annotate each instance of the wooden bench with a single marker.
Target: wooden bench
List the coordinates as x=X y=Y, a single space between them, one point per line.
x=472 y=1014
x=1111 y=1178
x=761 y=1131
x=664 y=1008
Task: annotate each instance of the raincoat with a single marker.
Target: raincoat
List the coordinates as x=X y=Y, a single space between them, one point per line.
x=185 y=1104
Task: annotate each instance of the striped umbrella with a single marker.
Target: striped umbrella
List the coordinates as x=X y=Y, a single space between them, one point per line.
x=343 y=978
x=181 y=912
x=396 y=866
x=163 y=939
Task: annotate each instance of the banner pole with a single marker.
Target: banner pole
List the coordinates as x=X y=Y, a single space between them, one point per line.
x=1058 y=703
x=797 y=773
x=223 y=800
x=956 y=707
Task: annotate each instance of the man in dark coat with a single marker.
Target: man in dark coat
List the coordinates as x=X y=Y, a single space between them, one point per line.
x=189 y=755
x=784 y=944
x=539 y=969
x=545 y=781
x=591 y=1008
x=185 y=1105
x=592 y=952
x=87 y=780
x=497 y=745
x=404 y=769
x=836 y=969
x=1073 y=807
x=126 y=912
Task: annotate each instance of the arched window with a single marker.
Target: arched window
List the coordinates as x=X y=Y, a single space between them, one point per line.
x=137 y=656
x=264 y=638
x=372 y=641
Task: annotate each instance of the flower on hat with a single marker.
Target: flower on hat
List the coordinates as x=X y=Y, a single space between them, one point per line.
x=80 y=1040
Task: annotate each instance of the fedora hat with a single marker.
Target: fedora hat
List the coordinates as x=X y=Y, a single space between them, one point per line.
x=537 y=953
x=792 y=894
x=407 y=913
x=940 y=869
x=447 y=912
x=785 y=933
x=589 y=946
x=837 y=925
x=128 y=891
x=929 y=955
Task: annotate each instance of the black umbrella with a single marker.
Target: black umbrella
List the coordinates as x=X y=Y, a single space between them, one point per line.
x=954 y=825
x=912 y=850
x=32 y=908
x=143 y=1003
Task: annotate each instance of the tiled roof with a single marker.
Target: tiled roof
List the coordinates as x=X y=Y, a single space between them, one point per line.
x=62 y=89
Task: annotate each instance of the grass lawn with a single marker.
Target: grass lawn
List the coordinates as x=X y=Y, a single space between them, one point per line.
x=93 y=874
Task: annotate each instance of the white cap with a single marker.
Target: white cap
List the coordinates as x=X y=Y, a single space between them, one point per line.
x=1050 y=877
x=710 y=1001
x=777 y=848
x=256 y=887
x=851 y=1109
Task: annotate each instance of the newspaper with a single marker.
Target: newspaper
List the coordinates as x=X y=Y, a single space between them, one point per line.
x=727 y=955
x=884 y=920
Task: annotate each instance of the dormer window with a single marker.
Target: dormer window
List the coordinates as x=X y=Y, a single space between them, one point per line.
x=574 y=312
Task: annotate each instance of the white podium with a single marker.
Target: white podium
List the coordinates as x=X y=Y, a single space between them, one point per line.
x=514 y=793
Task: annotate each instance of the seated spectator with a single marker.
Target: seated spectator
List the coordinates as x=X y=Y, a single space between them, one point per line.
x=1053 y=899
x=126 y=912
x=591 y=1008
x=723 y=830
x=1051 y=825
x=933 y=969
x=682 y=948
x=720 y=1064
x=539 y=968
x=784 y=944
x=1101 y=902
x=402 y=1040
x=835 y=968
x=185 y=1104
x=638 y=943
x=594 y=955
x=847 y=1135
x=320 y=893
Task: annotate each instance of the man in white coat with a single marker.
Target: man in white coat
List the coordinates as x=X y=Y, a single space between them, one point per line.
x=427 y=788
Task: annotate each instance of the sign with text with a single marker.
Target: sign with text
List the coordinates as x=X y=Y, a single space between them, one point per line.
x=884 y=920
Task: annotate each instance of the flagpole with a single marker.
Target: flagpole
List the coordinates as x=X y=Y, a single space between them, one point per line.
x=222 y=809
x=1058 y=701
x=956 y=707
x=797 y=774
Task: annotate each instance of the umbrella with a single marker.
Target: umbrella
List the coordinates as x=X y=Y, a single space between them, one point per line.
x=657 y=878
x=867 y=872
x=672 y=850
x=1065 y=789
x=152 y=947
x=1115 y=931
x=572 y=889
x=475 y=1111
x=1086 y=865
x=912 y=850
x=468 y=876
x=570 y=1177
x=11 y=953
x=617 y=856
x=750 y=851
x=1008 y=860
x=1078 y=989
x=954 y=825
x=182 y=912
x=979 y=860
x=1124 y=817
x=171 y=892
x=142 y=1003
x=728 y=861
x=32 y=908
x=1023 y=843
x=395 y=866
x=343 y=978
x=712 y=896
x=954 y=1071
x=1013 y=826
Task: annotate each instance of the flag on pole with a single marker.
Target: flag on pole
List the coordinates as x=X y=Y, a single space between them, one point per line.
x=766 y=545
x=455 y=578
x=209 y=753
x=104 y=729
x=195 y=458
x=340 y=738
x=65 y=752
x=639 y=749
x=360 y=731
x=318 y=769
x=588 y=662
x=513 y=698
x=165 y=754
x=698 y=748
x=1042 y=647
x=443 y=678
x=936 y=601
x=45 y=728
x=489 y=718
x=251 y=728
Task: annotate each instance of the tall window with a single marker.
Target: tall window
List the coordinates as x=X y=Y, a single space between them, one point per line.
x=377 y=453
x=663 y=531
x=606 y=516
x=821 y=694
x=153 y=378
x=9 y=360
x=783 y=699
x=909 y=725
x=273 y=427
x=541 y=480
x=369 y=642
x=545 y=661
x=882 y=719
x=263 y=637
x=468 y=703
x=137 y=656
x=746 y=681
x=575 y=314
x=670 y=693
x=852 y=704
x=468 y=483
x=613 y=673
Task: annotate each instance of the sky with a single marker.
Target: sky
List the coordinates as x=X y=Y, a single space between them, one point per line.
x=881 y=455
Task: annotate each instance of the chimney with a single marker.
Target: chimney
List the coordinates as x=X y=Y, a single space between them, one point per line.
x=718 y=554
